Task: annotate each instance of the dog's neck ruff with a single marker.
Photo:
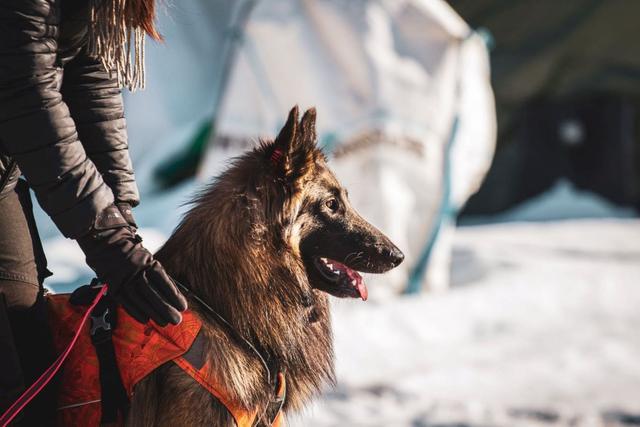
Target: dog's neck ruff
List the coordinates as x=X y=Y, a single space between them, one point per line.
x=140 y=349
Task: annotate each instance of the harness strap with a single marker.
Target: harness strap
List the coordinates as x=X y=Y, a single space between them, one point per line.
x=194 y=363
x=113 y=394
x=273 y=413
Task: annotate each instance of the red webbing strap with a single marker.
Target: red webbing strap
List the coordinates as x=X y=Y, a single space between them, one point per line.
x=47 y=375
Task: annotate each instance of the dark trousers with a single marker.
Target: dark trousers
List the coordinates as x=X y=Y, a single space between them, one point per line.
x=26 y=348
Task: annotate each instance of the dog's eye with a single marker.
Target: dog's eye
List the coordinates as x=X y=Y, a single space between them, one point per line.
x=332 y=204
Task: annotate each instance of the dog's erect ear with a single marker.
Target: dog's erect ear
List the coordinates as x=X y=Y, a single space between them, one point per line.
x=308 y=128
x=278 y=153
x=287 y=136
x=292 y=152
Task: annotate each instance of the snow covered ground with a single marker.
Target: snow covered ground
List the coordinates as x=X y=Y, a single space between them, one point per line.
x=539 y=328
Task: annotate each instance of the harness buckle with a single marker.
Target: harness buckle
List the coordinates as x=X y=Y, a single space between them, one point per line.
x=100 y=322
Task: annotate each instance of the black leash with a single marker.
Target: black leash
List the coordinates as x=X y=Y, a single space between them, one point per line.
x=224 y=321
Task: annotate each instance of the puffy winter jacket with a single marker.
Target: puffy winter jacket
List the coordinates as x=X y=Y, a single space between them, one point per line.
x=61 y=114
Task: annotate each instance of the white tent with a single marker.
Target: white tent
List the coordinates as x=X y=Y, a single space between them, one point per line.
x=402 y=90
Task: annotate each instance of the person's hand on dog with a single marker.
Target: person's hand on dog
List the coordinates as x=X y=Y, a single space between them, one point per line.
x=127 y=213
x=135 y=279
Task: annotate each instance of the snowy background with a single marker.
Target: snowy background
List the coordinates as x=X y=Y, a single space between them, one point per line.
x=540 y=326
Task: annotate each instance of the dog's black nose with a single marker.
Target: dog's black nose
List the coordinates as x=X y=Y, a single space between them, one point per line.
x=396 y=256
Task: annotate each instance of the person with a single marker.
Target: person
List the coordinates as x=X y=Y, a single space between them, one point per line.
x=63 y=134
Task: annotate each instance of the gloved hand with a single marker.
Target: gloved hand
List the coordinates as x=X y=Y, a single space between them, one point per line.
x=135 y=279
x=127 y=213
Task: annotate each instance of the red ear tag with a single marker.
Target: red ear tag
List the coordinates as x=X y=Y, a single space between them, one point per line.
x=276 y=156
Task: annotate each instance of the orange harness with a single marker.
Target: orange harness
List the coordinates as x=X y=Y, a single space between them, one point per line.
x=139 y=350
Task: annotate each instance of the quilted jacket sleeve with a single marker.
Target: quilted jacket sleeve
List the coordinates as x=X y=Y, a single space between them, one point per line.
x=36 y=127
x=95 y=101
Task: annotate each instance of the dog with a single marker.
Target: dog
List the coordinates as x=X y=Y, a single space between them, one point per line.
x=260 y=250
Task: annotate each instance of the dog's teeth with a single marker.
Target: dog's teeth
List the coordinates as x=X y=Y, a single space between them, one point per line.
x=327 y=262
x=354 y=283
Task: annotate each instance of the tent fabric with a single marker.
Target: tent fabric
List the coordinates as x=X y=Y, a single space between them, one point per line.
x=389 y=80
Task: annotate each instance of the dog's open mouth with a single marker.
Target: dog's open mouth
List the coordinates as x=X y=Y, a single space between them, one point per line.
x=342 y=281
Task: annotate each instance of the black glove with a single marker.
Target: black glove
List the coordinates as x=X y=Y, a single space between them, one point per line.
x=127 y=213
x=135 y=279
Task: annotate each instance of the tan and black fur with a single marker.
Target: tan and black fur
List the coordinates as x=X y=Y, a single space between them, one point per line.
x=246 y=247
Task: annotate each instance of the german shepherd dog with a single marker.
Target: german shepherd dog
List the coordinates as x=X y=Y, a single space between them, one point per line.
x=263 y=245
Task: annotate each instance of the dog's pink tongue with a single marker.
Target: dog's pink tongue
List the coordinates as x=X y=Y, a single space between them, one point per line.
x=362 y=289
x=358 y=283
